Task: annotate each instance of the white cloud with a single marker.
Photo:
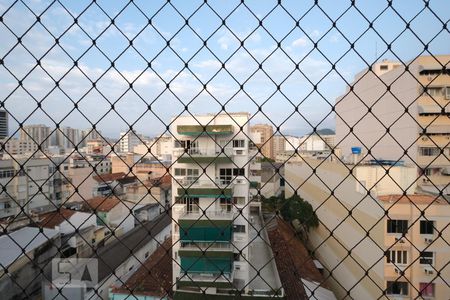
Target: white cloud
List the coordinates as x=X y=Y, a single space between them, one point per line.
x=301 y=42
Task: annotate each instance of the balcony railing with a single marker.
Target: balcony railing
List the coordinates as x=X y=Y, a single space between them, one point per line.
x=206 y=246
x=209 y=214
x=203 y=152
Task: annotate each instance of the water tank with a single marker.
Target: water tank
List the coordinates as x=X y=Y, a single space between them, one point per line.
x=356 y=150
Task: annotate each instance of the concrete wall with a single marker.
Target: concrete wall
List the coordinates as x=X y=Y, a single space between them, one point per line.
x=348 y=231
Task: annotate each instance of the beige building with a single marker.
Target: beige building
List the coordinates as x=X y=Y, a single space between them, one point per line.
x=279 y=145
x=265 y=140
x=347 y=211
x=415 y=110
x=39 y=134
x=13 y=146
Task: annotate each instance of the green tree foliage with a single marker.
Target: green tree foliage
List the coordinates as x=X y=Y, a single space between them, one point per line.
x=293 y=208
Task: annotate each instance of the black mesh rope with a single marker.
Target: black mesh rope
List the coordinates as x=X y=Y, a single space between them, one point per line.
x=76 y=71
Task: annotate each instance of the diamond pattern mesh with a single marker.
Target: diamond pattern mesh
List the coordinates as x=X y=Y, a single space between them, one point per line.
x=359 y=213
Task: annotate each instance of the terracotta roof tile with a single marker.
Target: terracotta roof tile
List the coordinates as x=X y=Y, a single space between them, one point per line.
x=55 y=218
x=154 y=277
x=101 y=203
x=109 y=177
x=293 y=260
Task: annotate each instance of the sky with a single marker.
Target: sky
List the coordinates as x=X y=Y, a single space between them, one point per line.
x=189 y=74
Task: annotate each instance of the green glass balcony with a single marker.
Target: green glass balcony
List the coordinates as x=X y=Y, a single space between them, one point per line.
x=214 y=233
x=196 y=130
x=205 y=192
x=209 y=265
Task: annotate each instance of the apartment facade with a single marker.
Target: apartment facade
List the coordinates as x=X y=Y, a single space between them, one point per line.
x=35 y=186
x=4 y=122
x=385 y=252
x=263 y=139
x=13 y=146
x=415 y=109
x=39 y=134
x=128 y=140
x=209 y=180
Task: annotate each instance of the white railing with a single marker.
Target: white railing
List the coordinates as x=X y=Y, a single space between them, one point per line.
x=209 y=214
x=203 y=183
x=206 y=246
x=207 y=152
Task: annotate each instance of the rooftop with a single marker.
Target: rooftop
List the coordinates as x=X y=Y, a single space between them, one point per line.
x=261 y=258
x=293 y=260
x=55 y=218
x=101 y=203
x=117 y=252
x=27 y=238
x=415 y=198
x=154 y=277
x=109 y=177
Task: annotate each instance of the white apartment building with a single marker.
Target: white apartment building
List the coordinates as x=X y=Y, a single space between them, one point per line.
x=211 y=210
x=128 y=140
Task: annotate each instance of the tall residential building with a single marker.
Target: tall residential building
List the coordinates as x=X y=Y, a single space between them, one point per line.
x=67 y=137
x=4 y=130
x=279 y=144
x=39 y=134
x=265 y=141
x=212 y=210
x=128 y=140
x=415 y=109
x=382 y=231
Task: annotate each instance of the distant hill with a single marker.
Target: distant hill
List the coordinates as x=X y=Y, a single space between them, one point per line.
x=324 y=131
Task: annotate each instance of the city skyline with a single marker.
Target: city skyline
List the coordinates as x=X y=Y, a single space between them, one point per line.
x=243 y=92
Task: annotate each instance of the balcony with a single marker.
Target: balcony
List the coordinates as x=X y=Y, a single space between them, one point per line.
x=196 y=130
x=203 y=156
x=192 y=279
x=204 y=188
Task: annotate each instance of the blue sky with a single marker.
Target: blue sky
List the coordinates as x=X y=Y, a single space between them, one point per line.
x=223 y=47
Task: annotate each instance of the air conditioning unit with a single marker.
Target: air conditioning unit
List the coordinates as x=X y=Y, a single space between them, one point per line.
x=429 y=271
x=428 y=240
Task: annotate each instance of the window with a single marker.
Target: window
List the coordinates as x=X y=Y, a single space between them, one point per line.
x=7 y=173
x=239 y=228
x=238 y=143
x=192 y=204
x=146 y=254
x=426 y=289
x=383 y=67
x=426 y=258
x=397 y=288
x=397 y=226
x=397 y=257
x=227 y=175
x=434 y=91
x=429 y=151
x=447 y=93
x=180 y=172
x=225 y=204
x=426 y=227
x=238 y=172
x=239 y=200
